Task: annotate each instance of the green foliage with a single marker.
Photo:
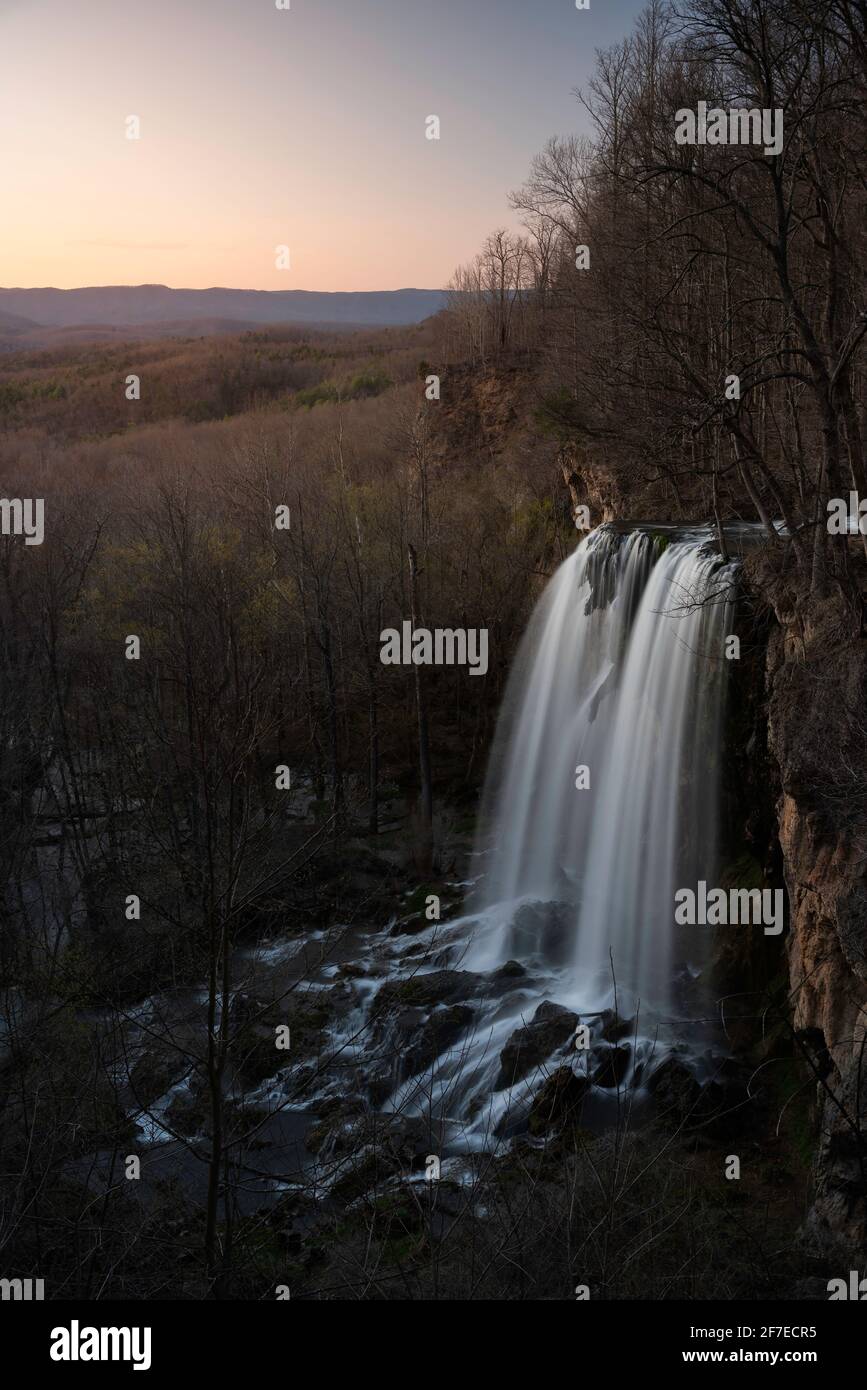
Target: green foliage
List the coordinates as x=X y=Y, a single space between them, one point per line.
x=360 y=387
x=317 y=395
x=11 y=395
x=367 y=384
x=50 y=390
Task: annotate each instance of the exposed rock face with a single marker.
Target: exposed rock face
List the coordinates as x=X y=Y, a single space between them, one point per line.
x=593 y=485
x=817 y=725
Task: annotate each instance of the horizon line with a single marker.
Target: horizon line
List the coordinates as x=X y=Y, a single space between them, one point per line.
x=206 y=289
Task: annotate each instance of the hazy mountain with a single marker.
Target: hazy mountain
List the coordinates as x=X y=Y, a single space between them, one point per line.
x=149 y=304
x=14 y=323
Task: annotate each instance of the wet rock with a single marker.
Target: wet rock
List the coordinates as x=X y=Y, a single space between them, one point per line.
x=425 y=991
x=359 y=1175
x=558 y=1102
x=255 y=1052
x=190 y=1112
x=555 y=1015
x=614 y=1027
x=257 y=1056
x=414 y=918
x=723 y=1106
x=380 y=1082
x=335 y=1130
x=613 y=1065
x=675 y=1090
x=377 y=1150
x=244 y=1008
x=527 y=1047
x=437 y=1035
x=512 y=970
x=341 y=997
x=544 y=928
x=408 y=1041
x=352 y=971
x=155 y=1072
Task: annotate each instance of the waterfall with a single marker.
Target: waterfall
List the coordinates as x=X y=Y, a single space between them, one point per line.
x=621 y=672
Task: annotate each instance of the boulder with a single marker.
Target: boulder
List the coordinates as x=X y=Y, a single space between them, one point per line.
x=158 y=1069
x=437 y=1035
x=614 y=1027
x=531 y=1045
x=425 y=991
x=512 y=970
x=612 y=1065
x=674 y=1089
x=558 y=1102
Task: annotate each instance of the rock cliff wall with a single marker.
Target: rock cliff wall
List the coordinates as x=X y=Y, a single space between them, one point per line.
x=817 y=735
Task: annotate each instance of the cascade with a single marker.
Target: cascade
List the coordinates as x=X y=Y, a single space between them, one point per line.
x=601 y=802
x=622 y=672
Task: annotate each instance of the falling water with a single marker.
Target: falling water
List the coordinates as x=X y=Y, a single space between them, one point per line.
x=621 y=672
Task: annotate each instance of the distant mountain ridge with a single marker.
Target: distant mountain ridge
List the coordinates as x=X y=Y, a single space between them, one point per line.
x=14 y=323
x=120 y=305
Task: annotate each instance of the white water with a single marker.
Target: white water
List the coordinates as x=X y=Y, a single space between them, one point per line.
x=621 y=670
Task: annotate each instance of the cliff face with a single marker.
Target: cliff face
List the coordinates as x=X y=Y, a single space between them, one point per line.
x=813 y=755
x=817 y=735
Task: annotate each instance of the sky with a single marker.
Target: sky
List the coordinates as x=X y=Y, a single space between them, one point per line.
x=263 y=127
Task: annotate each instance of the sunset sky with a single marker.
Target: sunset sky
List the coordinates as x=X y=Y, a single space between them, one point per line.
x=262 y=127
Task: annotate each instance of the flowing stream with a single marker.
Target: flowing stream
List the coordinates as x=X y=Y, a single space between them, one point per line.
x=601 y=800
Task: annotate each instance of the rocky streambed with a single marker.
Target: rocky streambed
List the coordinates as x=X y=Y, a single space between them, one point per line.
x=397 y=1060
